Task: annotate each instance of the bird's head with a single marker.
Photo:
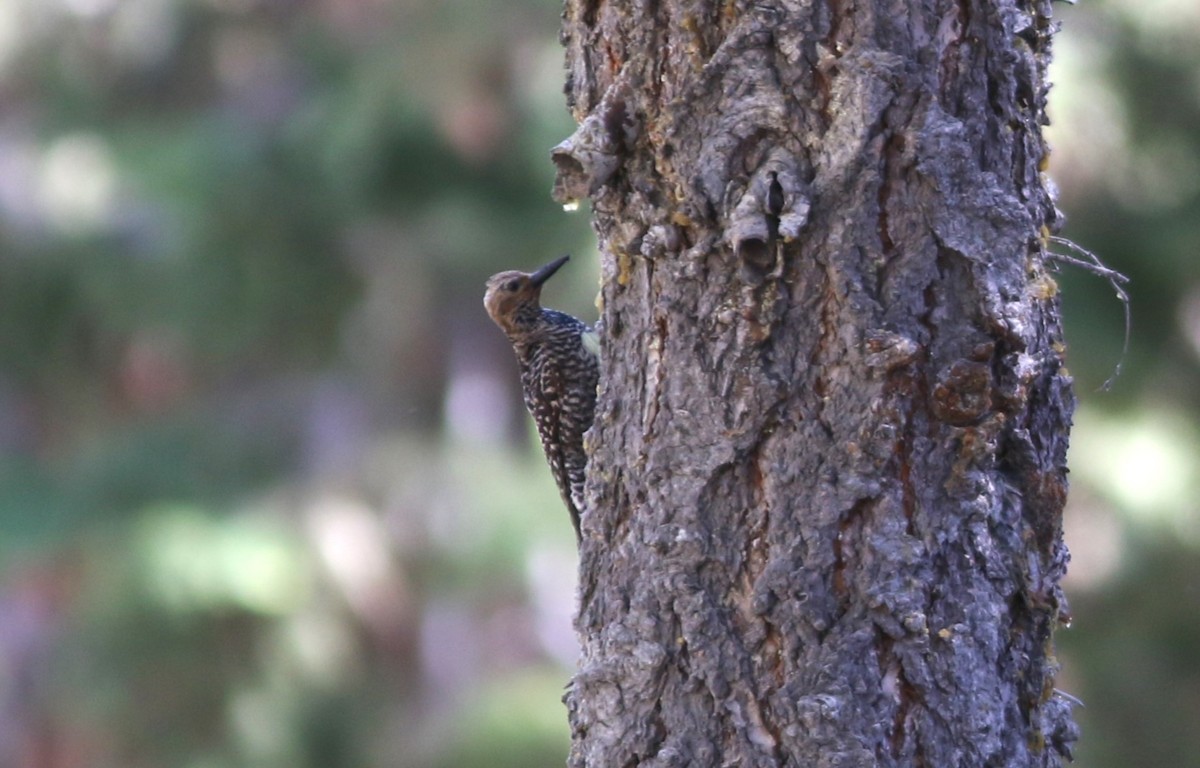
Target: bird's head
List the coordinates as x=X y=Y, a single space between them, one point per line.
x=512 y=297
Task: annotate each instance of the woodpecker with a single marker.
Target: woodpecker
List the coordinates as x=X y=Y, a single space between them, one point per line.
x=560 y=368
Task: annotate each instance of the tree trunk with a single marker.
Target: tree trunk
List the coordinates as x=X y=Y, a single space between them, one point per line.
x=828 y=463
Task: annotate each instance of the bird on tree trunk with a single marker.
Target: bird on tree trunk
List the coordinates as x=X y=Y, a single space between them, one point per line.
x=560 y=368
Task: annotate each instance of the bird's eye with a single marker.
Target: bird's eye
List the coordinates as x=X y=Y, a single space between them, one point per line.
x=511 y=285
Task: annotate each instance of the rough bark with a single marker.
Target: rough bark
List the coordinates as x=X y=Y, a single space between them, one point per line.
x=828 y=465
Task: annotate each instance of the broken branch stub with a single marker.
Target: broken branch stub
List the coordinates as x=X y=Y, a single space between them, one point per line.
x=587 y=159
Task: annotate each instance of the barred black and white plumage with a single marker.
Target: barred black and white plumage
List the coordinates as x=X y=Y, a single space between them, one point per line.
x=560 y=369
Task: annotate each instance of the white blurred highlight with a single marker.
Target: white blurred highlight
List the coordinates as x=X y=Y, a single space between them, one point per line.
x=77 y=185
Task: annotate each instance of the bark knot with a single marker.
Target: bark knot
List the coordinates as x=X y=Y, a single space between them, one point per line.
x=963 y=393
x=773 y=204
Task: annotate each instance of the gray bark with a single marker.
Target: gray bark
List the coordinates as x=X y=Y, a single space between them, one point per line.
x=828 y=466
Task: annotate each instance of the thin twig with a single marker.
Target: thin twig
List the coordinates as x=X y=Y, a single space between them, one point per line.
x=1093 y=265
x=1114 y=278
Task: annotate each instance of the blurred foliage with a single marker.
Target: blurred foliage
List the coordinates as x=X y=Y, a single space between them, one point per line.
x=267 y=493
x=242 y=244
x=1142 y=692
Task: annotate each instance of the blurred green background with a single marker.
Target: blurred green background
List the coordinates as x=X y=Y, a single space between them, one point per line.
x=267 y=493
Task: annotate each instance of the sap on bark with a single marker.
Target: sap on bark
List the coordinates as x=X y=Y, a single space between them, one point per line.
x=963 y=393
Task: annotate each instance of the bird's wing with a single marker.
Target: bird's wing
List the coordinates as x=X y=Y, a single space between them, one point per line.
x=549 y=415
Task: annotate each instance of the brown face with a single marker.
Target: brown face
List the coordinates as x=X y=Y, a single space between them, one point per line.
x=506 y=292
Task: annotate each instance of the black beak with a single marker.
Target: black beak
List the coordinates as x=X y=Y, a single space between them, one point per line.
x=543 y=274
